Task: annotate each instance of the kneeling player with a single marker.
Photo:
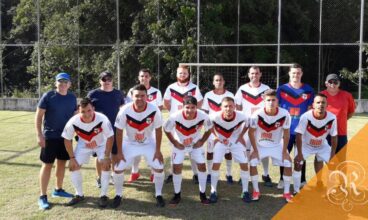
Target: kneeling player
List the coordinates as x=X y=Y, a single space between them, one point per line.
x=311 y=133
x=183 y=129
x=229 y=128
x=269 y=136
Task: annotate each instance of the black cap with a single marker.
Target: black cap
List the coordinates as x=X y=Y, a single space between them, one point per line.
x=332 y=76
x=105 y=74
x=189 y=100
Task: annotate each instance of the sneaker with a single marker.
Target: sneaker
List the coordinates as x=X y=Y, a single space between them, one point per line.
x=204 y=199
x=169 y=179
x=288 y=197
x=195 y=179
x=98 y=182
x=267 y=180
x=229 y=180
x=133 y=177
x=76 y=199
x=160 y=202
x=245 y=196
x=255 y=196
x=116 y=202
x=103 y=201
x=213 y=197
x=280 y=185
x=151 y=178
x=43 y=203
x=61 y=193
x=209 y=179
x=175 y=200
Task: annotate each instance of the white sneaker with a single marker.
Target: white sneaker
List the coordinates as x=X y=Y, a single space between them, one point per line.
x=280 y=185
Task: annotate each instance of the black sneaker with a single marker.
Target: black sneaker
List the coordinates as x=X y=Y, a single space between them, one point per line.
x=98 y=182
x=204 y=199
x=245 y=196
x=76 y=199
x=229 y=180
x=267 y=180
x=103 y=201
x=175 y=200
x=195 y=179
x=116 y=202
x=160 y=202
x=213 y=197
x=169 y=179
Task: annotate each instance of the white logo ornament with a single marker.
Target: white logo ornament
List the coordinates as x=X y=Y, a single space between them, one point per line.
x=150 y=97
x=304 y=96
x=148 y=120
x=96 y=130
x=277 y=124
x=189 y=93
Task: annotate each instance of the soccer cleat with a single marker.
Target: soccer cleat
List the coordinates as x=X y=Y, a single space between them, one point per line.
x=288 y=197
x=116 y=202
x=280 y=185
x=152 y=178
x=43 y=203
x=245 y=196
x=229 y=180
x=267 y=180
x=61 y=193
x=169 y=179
x=98 y=182
x=204 y=199
x=160 y=202
x=209 y=179
x=213 y=197
x=133 y=177
x=176 y=199
x=103 y=201
x=195 y=179
x=76 y=199
x=255 y=196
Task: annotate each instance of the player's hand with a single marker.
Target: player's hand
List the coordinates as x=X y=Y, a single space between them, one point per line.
x=179 y=145
x=91 y=145
x=299 y=158
x=73 y=164
x=240 y=140
x=159 y=157
x=286 y=156
x=215 y=141
x=118 y=158
x=254 y=155
x=41 y=140
x=198 y=144
x=106 y=163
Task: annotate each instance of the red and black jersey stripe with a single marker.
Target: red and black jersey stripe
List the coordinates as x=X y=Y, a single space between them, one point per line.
x=152 y=96
x=270 y=127
x=317 y=132
x=226 y=132
x=142 y=124
x=188 y=131
x=214 y=106
x=255 y=100
x=88 y=135
x=179 y=97
x=295 y=99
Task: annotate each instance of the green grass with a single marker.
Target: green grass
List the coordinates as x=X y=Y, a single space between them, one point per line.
x=19 y=190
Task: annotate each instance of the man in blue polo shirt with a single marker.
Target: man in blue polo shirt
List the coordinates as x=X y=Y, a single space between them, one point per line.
x=54 y=109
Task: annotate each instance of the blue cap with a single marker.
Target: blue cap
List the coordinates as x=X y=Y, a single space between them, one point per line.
x=62 y=76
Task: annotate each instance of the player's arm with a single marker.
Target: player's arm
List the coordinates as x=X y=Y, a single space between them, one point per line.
x=333 y=146
x=158 y=153
x=160 y=107
x=38 y=125
x=239 y=107
x=167 y=104
x=203 y=139
x=241 y=135
x=106 y=161
x=252 y=140
x=175 y=142
x=286 y=138
x=119 y=144
x=199 y=104
x=298 y=140
x=73 y=164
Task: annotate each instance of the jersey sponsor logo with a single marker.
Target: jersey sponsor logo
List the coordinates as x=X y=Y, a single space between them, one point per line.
x=226 y=132
x=179 y=96
x=142 y=124
x=188 y=131
x=214 y=106
x=318 y=132
x=151 y=97
x=295 y=99
x=266 y=136
x=294 y=111
x=254 y=99
x=315 y=142
x=270 y=127
x=139 y=137
x=88 y=135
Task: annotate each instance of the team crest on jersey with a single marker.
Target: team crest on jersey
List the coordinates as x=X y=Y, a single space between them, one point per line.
x=189 y=93
x=304 y=96
x=149 y=120
x=277 y=124
x=150 y=97
x=96 y=130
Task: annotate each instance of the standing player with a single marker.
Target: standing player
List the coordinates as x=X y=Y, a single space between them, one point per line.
x=143 y=134
x=106 y=100
x=269 y=134
x=248 y=100
x=296 y=97
x=173 y=101
x=54 y=110
x=95 y=135
x=311 y=133
x=183 y=130
x=212 y=104
x=154 y=97
x=229 y=129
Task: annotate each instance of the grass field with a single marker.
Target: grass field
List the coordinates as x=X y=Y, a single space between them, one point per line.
x=19 y=190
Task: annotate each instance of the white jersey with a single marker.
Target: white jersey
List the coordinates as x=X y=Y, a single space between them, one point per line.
x=153 y=96
x=229 y=130
x=314 y=131
x=187 y=131
x=139 y=126
x=270 y=129
x=175 y=94
x=212 y=101
x=98 y=130
x=250 y=98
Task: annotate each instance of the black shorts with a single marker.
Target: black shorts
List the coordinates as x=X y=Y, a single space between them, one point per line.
x=54 y=149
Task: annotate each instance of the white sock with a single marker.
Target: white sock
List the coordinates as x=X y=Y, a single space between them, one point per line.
x=118 y=183
x=202 y=180
x=177 y=178
x=158 y=179
x=105 y=179
x=297 y=179
x=229 y=164
x=193 y=164
x=287 y=180
x=135 y=166
x=255 y=183
x=76 y=177
x=244 y=175
x=214 y=179
x=209 y=166
x=265 y=162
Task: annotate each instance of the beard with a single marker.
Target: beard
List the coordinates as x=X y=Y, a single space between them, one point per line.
x=183 y=80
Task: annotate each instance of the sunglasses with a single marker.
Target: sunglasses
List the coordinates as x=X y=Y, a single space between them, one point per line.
x=336 y=82
x=106 y=79
x=63 y=81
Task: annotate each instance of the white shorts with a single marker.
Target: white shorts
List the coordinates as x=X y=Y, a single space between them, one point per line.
x=134 y=149
x=274 y=152
x=197 y=154
x=323 y=153
x=238 y=151
x=82 y=153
